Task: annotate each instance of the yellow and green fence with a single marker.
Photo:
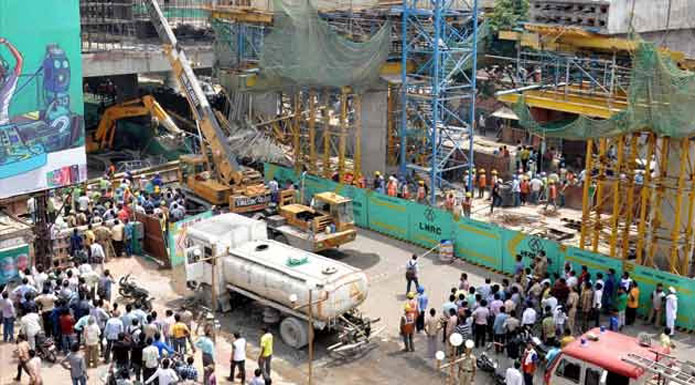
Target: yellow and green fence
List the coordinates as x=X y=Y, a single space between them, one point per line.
x=482 y=243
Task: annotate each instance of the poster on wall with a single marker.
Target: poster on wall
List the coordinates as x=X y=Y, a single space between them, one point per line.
x=12 y=260
x=41 y=106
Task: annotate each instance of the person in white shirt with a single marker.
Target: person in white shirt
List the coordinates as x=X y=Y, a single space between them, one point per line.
x=150 y=359
x=671 y=309
x=528 y=318
x=91 y=343
x=257 y=378
x=31 y=326
x=513 y=375
x=165 y=375
x=39 y=277
x=238 y=357
x=596 y=303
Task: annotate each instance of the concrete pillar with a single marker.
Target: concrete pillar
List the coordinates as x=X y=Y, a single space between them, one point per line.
x=374 y=132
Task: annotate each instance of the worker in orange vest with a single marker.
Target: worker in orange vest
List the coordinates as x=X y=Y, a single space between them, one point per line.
x=421 y=191
x=524 y=188
x=482 y=183
x=467 y=203
x=449 y=201
x=392 y=187
x=361 y=182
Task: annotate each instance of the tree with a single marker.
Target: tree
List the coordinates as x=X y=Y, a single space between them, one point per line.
x=507 y=13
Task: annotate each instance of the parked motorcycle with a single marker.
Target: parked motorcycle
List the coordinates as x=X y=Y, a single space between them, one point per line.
x=486 y=364
x=45 y=348
x=129 y=289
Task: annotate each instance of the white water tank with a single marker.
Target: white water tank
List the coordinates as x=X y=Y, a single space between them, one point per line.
x=277 y=272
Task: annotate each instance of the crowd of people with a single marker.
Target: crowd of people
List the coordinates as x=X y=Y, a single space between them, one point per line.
x=504 y=315
x=73 y=306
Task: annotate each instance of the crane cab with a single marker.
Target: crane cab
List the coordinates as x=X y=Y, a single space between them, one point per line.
x=337 y=207
x=194 y=174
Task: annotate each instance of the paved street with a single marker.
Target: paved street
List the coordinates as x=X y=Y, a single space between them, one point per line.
x=384 y=261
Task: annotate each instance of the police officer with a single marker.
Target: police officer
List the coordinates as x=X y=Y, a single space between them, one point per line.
x=467 y=365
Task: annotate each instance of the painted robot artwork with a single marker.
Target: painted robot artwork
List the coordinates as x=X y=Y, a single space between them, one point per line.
x=41 y=106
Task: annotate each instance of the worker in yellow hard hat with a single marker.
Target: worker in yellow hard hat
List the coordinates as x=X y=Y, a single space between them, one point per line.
x=467 y=204
x=482 y=183
x=407 y=328
x=421 y=191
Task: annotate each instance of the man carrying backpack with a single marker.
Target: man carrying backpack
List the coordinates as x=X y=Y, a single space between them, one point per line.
x=411 y=273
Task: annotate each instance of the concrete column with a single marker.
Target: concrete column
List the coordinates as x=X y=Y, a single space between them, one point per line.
x=374 y=131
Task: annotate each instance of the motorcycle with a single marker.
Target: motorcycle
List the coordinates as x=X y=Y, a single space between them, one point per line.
x=486 y=364
x=45 y=348
x=129 y=289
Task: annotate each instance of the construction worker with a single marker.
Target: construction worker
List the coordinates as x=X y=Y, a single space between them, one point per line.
x=465 y=180
x=467 y=203
x=449 y=201
x=405 y=190
x=493 y=179
x=482 y=183
x=524 y=189
x=392 y=187
x=552 y=195
x=467 y=365
x=361 y=182
x=379 y=182
x=421 y=192
x=496 y=195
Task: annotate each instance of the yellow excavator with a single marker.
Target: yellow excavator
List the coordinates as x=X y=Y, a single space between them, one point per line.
x=147 y=105
x=215 y=176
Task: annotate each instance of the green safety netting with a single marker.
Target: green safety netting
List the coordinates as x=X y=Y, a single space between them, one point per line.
x=661 y=99
x=303 y=51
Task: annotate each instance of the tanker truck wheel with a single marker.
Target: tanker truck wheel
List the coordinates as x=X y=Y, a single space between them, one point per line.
x=294 y=332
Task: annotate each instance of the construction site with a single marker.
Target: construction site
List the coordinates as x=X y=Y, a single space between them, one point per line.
x=272 y=173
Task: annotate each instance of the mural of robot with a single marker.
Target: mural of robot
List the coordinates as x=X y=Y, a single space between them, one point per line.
x=26 y=139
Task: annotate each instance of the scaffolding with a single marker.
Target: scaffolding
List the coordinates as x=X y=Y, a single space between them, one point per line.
x=438 y=96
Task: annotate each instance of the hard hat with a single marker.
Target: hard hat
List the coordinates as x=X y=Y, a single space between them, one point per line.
x=406 y=307
x=420 y=289
x=469 y=344
x=377 y=173
x=422 y=182
x=411 y=295
x=552 y=181
x=162 y=203
x=494 y=171
x=672 y=289
x=468 y=195
x=481 y=170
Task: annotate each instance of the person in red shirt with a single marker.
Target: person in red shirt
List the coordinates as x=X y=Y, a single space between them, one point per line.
x=552 y=195
x=66 y=322
x=482 y=182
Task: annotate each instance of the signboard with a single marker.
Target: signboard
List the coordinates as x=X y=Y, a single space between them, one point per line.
x=478 y=242
x=177 y=236
x=529 y=246
x=244 y=204
x=41 y=107
x=648 y=278
x=12 y=260
x=429 y=226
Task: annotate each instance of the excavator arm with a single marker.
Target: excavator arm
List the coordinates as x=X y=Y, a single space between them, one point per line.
x=138 y=107
x=229 y=171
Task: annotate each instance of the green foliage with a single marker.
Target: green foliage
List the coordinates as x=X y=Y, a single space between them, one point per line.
x=507 y=13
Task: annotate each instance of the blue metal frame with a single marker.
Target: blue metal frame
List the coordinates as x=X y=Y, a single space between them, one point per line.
x=439 y=38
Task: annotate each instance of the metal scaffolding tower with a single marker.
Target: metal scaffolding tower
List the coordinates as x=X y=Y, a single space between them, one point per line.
x=439 y=37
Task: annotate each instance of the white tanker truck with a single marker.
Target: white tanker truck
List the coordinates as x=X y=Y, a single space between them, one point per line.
x=280 y=277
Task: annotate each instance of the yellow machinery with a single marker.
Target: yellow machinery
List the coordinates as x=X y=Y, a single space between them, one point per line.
x=147 y=105
x=328 y=223
x=224 y=177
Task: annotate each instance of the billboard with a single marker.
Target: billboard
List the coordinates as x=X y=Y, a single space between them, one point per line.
x=41 y=106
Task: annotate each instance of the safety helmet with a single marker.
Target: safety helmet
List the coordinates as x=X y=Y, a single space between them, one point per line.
x=421 y=183
x=494 y=172
x=481 y=170
x=377 y=173
x=411 y=295
x=468 y=195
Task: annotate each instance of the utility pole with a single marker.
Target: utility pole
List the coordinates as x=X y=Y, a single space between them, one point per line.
x=310 y=318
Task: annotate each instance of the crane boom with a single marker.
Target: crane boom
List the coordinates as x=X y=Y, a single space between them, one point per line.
x=227 y=167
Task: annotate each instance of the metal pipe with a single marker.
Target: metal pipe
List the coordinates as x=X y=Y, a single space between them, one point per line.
x=645 y=193
x=685 y=263
x=599 y=194
x=630 y=195
x=312 y=131
x=656 y=207
x=617 y=170
x=296 y=140
x=343 y=135
x=357 y=156
x=326 y=137
x=586 y=204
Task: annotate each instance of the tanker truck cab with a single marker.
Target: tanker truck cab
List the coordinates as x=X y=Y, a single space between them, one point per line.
x=598 y=359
